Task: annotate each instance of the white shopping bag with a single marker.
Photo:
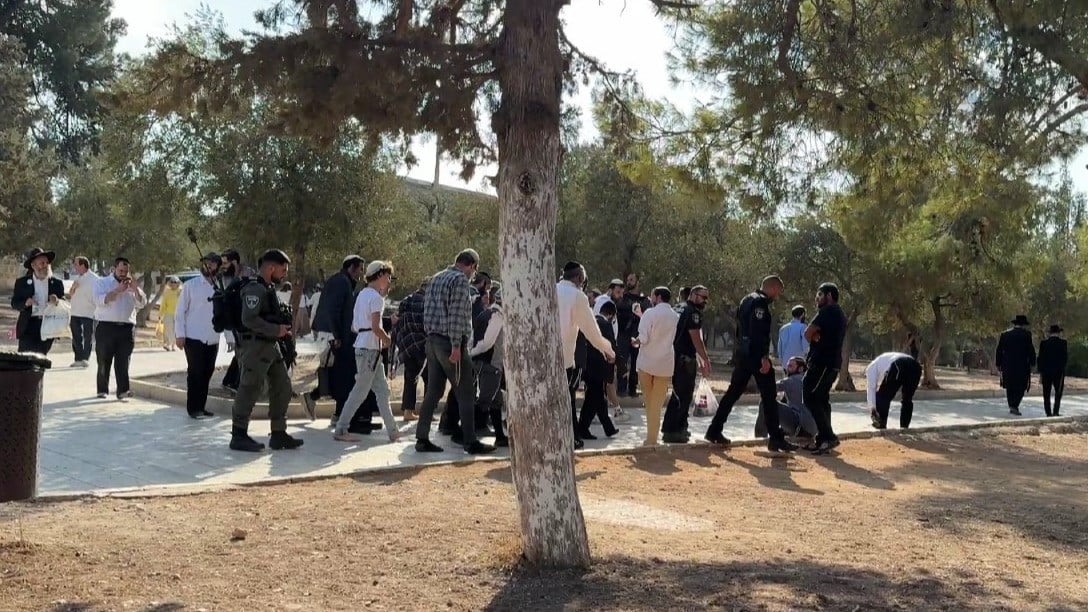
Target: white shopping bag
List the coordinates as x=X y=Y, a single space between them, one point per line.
x=703 y=403
x=55 y=321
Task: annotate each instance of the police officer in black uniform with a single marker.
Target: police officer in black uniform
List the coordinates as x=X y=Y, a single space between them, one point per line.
x=753 y=359
x=691 y=357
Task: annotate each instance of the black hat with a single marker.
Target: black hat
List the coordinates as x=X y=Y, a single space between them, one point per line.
x=212 y=256
x=37 y=252
x=232 y=255
x=1020 y=320
x=1056 y=329
x=275 y=256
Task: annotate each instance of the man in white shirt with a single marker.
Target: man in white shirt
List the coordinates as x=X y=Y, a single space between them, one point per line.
x=487 y=359
x=576 y=316
x=371 y=338
x=884 y=377
x=656 y=359
x=117 y=297
x=197 y=337
x=82 y=301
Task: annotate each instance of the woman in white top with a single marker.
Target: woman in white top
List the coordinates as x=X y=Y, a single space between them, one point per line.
x=656 y=333
x=371 y=339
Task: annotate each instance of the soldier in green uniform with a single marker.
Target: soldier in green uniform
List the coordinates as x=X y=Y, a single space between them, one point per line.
x=259 y=357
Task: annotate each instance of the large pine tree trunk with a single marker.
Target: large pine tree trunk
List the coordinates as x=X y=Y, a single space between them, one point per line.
x=527 y=126
x=846 y=380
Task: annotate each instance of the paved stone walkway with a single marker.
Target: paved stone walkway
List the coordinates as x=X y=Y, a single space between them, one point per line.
x=88 y=444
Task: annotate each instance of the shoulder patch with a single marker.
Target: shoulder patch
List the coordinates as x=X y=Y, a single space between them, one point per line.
x=252 y=301
x=760 y=313
x=695 y=318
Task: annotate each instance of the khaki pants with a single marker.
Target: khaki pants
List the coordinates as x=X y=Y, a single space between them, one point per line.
x=655 y=389
x=169 y=337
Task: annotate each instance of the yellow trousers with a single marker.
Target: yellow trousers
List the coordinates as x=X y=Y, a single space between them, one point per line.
x=655 y=391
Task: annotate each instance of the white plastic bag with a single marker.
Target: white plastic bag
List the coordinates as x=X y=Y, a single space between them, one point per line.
x=55 y=321
x=703 y=403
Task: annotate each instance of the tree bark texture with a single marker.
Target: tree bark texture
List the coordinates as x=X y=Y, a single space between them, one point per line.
x=846 y=380
x=526 y=124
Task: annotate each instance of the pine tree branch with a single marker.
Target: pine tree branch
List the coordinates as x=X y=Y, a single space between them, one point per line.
x=1049 y=45
x=674 y=4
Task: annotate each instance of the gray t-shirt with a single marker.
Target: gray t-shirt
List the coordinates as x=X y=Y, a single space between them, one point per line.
x=793 y=386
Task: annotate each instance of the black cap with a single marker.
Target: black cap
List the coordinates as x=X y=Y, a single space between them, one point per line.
x=212 y=256
x=275 y=256
x=571 y=266
x=232 y=254
x=121 y=258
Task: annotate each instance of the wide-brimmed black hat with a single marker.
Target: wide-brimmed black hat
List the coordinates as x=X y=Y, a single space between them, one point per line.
x=37 y=252
x=1020 y=320
x=1056 y=329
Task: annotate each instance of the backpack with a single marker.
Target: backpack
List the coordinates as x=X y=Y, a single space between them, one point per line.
x=227 y=306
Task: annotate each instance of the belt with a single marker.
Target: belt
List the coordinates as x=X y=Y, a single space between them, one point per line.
x=117 y=323
x=255 y=337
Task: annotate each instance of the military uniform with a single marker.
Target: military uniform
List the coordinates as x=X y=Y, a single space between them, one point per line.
x=259 y=359
x=753 y=345
x=684 y=375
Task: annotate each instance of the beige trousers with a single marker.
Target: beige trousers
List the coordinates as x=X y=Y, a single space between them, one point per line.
x=655 y=390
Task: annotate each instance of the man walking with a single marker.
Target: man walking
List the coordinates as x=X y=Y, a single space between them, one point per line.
x=825 y=337
x=197 y=337
x=82 y=300
x=231 y=269
x=752 y=359
x=691 y=358
x=885 y=376
x=631 y=306
x=1053 y=357
x=598 y=373
x=30 y=296
x=333 y=325
x=791 y=338
x=1015 y=358
x=657 y=363
x=575 y=316
x=259 y=358
x=447 y=319
x=117 y=298
x=411 y=340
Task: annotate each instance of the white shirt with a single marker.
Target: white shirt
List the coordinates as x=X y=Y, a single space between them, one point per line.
x=83 y=295
x=314 y=299
x=284 y=297
x=194 y=316
x=120 y=310
x=874 y=374
x=574 y=316
x=41 y=295
x=656 y=332
x=491 y=334
x=601 y=301
x=367 y=303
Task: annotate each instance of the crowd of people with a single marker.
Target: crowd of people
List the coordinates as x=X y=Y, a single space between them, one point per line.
x=451 y=332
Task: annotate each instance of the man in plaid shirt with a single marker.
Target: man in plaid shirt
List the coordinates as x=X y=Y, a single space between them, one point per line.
x=447 y=319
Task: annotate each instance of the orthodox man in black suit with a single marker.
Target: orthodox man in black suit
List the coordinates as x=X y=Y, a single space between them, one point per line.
x=1015 y=358
x=31 y=294
x=1053 y=356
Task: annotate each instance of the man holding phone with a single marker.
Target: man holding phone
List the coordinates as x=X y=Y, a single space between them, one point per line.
x=117 y=297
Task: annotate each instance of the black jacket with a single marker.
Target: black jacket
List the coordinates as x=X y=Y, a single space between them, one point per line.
x=336 y=307
x=1053 y=356
x=597 y=368
x=753 y=329
x=1015 y=356
x=24 y=290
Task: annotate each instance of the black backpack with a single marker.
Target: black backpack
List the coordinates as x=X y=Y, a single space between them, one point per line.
x=227 y=306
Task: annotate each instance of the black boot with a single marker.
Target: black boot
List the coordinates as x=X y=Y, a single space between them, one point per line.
x=240 y=441
x=281 y=440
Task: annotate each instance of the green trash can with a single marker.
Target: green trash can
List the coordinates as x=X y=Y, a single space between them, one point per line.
x=21 y=377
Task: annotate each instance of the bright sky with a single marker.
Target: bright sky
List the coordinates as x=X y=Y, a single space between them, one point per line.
x=624 y=34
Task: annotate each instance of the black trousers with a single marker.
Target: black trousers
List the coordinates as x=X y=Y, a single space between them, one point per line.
x=30 y=341
x=82 y=337
x=816 y=394
x=684 y=374
x=1015 y=388
x=742 y=373
x=115 y=342
x=632 y=372
x=595 y=404
x=574 y=378
x=342 y=375
x=903 y=375
x=1055 y=384
x=414 y=369
x=200 y=359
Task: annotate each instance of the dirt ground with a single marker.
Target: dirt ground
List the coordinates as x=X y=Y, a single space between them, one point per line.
x=304 y=376
x=982 y=521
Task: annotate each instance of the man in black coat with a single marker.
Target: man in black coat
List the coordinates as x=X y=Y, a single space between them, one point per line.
x=333 y=318
x=31 y=294
x=1015 y=358
x=597 y=374
x=1053 y=357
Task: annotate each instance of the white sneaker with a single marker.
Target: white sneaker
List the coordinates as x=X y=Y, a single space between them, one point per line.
x=103 y=395
x=76 y=364
x=618 y=414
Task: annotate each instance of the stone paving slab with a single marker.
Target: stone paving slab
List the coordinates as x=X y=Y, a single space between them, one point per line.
x=105 y=446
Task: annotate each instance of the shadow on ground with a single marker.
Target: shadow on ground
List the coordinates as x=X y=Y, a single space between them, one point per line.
x=623 y=583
